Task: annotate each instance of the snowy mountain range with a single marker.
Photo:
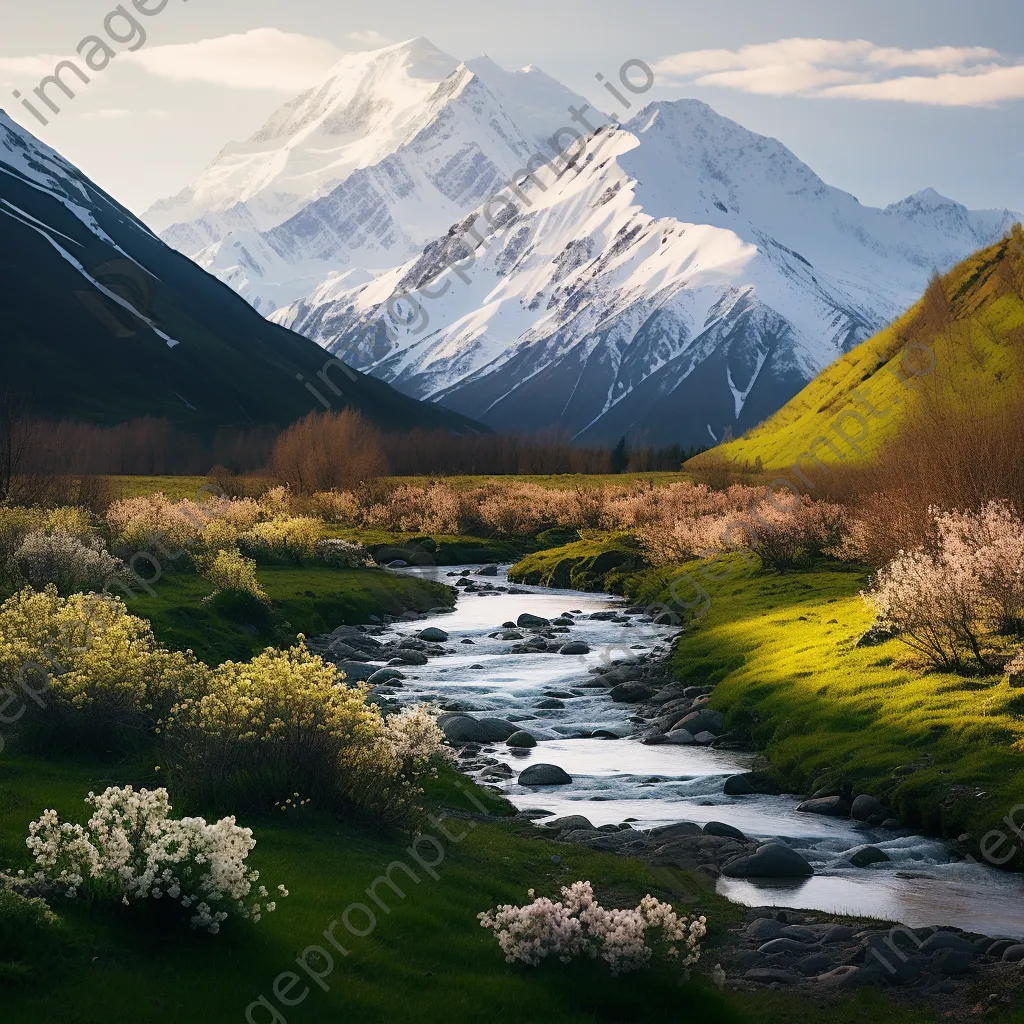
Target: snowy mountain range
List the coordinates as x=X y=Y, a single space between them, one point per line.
x=678 y=277
x=362 y=171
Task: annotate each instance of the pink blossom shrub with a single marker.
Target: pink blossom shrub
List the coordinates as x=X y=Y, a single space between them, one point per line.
x=950 y=598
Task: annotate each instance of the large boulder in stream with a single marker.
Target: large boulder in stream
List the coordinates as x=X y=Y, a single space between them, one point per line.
x=521 y=738
x=433 y=635
x=630 y=693
x=866 y=807
x=831 y=806
x=773 y=860
x=531 y=621
x=460 y=728
x=544 y=775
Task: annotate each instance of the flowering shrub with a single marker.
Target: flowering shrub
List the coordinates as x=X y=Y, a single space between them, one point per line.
x=63 y=560
x=131 y=850
x=230 y=570
x=343 y=554
x=800 y=530
x=294 y=538
x=175 y=528
x=626 y=940
x=337 y=507
x=282 y=724
x=99 y=676
x=417 y=739
x=951 y=597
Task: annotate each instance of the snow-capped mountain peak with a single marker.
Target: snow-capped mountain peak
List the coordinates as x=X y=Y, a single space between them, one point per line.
x=361 y=171
x=684 y=275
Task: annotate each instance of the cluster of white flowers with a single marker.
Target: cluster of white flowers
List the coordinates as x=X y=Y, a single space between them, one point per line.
x=343 y=554
x=578 y=925
x=64 y=560
x=132 y=849
x=416 y=738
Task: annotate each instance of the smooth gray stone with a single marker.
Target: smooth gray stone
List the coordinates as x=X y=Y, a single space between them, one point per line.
x=432 y=634
x=772 y=860
x=544 y=775
x=521 y=739
x=865 y=855
x=831 y=806
x=720 y=828
x=866 y=806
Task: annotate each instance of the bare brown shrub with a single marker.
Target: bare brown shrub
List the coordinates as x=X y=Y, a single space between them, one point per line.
x=328 y=451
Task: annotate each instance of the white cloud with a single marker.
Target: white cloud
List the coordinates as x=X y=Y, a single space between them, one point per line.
x=262 y=58
x=106 y=114
x=853 y=69
x=370 y=40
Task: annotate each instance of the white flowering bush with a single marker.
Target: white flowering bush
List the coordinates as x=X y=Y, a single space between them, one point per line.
x=417 y=739
x=131 y=850
x=578 y=925
x=343 y=554
x=65 y=561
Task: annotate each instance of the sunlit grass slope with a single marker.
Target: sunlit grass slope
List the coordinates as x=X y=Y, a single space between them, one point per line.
x=974 y=326
x=947 y=753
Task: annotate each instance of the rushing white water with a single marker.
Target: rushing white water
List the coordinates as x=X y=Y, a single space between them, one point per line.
x=616 y=780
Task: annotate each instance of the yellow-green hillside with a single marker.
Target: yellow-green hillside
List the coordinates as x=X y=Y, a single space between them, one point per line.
x=963 y=343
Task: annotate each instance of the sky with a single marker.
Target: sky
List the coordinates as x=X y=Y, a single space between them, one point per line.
x=881 y=98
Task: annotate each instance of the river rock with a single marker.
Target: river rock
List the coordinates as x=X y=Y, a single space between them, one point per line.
x=630 y=693
x=521 y=739
x=720 y=828
x=866 y=806
x=574 y=647
x=1013 y=954
x=570 y=823
x=865 y=855
x=763 y=929
x=544 y=775
x=682 y=737
x=750 y=782
x=783 y=945
x=837 y=933
x=384 y=675
x=677 y=830
x=704 y=739
x=945 y=940
x=461 y=728
x=772 y=860
x=702 y=721
x=531 y=621
x=432 y=635
x=847 y=976
x=487 y=570
x=408 y=656
x=831 y=806
x=358 y=671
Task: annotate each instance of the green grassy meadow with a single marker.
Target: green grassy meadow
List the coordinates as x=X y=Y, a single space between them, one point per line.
x=946 y=752
x=308 y=600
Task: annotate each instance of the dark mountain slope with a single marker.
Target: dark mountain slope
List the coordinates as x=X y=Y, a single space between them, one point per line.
x=103 y=322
